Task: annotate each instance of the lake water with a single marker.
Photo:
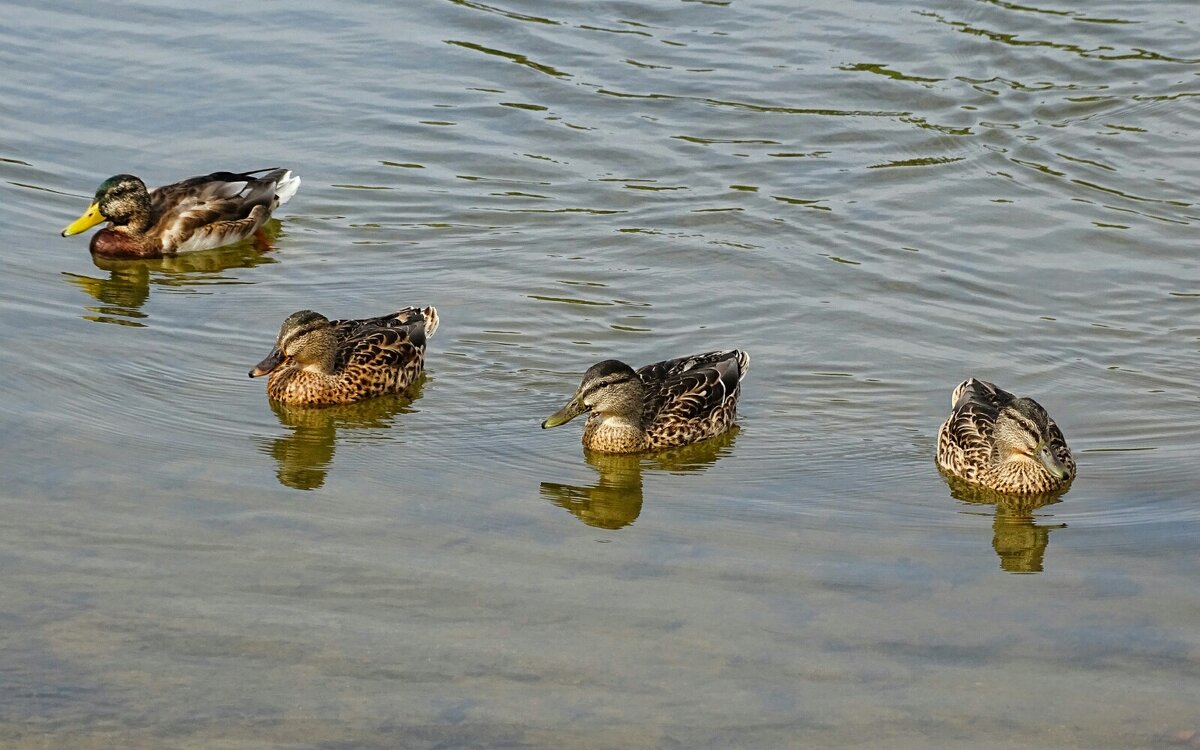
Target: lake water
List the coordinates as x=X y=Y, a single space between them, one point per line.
x=874 y=199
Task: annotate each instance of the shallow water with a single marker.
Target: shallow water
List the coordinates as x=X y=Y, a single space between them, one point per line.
x=874 y=200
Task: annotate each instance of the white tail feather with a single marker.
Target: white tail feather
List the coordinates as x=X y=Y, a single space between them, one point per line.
x=286 y=186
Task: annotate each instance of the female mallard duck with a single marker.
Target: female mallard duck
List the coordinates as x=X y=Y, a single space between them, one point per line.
x=321 y=362
x=662 y=405
x=199 y=213
x=1002 y=442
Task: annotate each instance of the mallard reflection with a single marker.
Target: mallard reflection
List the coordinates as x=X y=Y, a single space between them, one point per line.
x=304 y=454
x=127 y=287
x=615 y=500
x=1017 y=538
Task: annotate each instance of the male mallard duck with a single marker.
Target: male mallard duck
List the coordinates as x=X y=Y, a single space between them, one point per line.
x=199 y=213
x=320 y=362
x=662 y=405
x=1002 y=442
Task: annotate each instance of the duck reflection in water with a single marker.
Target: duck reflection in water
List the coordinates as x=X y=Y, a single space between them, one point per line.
x=304 y=454
x=127 y=288
x=1019 y=541
x=615 y=500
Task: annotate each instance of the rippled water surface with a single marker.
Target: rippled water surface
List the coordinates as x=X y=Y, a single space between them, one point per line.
x=875 y=199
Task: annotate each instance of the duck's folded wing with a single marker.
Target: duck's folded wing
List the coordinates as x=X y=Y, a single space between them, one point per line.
x=970 y=427
x=695 y=392
x=1058 y=444
x=383 y=348
x=201 y=230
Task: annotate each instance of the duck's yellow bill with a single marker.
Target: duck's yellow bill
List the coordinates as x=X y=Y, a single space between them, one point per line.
x=90 y=218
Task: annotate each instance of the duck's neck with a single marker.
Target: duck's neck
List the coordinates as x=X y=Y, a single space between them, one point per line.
x=323 y=366
x=139 y=220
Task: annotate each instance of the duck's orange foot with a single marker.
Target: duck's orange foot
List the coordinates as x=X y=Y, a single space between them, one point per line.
x=262 y=242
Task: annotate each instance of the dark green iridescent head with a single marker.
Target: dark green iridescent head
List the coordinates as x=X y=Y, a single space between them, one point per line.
x=121 y=198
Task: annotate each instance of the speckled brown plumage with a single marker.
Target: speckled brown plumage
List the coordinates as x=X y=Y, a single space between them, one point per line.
x=198 y=213
x=321 y=362
x=662 y=405
x=1008 y=444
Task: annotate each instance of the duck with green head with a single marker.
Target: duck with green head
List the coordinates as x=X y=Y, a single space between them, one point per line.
x=1004 y=443
x=321 y=362
x=663 y=405
x=198 y=213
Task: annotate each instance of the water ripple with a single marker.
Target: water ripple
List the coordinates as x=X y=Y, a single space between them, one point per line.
x=875 y=204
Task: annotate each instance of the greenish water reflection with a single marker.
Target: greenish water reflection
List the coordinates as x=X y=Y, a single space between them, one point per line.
x=304 y=454
x=615 y=500
x=1018 y=539
x=126 y=289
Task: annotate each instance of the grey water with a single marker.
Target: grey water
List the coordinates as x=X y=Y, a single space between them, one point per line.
x=875 y=199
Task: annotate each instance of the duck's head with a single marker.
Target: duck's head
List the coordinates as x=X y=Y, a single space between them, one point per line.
x=1023 y=434
x=609 y=389
x=306 y=341
x=121 y=199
